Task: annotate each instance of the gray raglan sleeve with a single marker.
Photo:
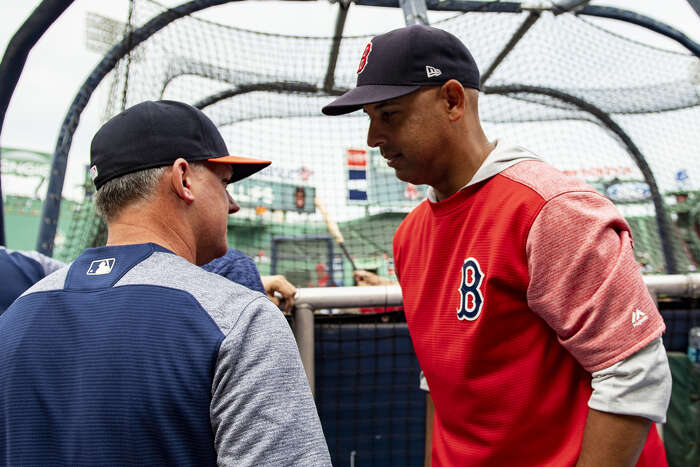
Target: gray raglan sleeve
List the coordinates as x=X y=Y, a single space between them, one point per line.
x=262 y=410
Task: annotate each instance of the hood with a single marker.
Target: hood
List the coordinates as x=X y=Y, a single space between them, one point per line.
x=503 y=156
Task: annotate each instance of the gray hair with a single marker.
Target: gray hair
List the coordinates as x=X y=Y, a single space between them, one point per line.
x=115 y=194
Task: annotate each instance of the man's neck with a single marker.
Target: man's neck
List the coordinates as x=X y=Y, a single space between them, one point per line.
x=133 y=228
x=470 y=158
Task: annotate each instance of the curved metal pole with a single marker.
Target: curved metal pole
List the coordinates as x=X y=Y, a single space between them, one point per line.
x=564 y=6
x=662 y=219
x=517 y=7
x=15 y=57
x=50 y=213
x=454 y=5
x=644 y=21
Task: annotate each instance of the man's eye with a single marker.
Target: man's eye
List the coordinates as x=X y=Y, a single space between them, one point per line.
x=389 y=114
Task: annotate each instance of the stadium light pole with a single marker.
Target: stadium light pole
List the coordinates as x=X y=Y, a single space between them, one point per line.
x=15 y=57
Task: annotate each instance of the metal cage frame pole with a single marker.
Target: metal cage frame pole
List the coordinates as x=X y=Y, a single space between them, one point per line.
x=304 y=335
x=695 y=5
x=517 y=35
x=643 y=21
x=620 y=14
x=14 y=59
x=329 y=80
x=414 y=12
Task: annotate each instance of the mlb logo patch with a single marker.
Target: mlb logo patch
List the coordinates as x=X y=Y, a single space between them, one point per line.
x=93 y=172
x=100 y=267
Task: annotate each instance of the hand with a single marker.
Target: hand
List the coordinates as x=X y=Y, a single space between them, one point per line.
x=282 y=286
x=363 y=277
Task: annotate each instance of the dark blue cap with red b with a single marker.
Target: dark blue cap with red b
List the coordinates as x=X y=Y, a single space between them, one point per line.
x=401 y=61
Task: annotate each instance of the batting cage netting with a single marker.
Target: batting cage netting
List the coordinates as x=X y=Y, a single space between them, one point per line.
x=620 y=114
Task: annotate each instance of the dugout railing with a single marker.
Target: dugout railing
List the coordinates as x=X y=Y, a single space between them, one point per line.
x=364 y=374
x=309 y=299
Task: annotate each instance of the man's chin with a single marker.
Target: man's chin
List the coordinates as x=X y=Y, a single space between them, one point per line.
x=405 y=177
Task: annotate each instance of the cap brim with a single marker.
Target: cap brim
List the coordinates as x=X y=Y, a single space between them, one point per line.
x=244 y=166
x=367 y=94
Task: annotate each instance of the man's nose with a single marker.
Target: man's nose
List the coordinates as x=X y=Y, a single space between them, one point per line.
x=375 y=136
x=232 y=205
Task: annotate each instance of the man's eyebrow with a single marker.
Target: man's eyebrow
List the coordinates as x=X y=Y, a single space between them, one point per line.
x=382 y=104
x=385 y=103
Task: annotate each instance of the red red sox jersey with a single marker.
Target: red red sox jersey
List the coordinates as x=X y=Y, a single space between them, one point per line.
x=515 y=290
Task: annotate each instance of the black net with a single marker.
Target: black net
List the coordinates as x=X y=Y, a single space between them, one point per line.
x=596 y=105
x=680 y=316
x=367 y=390
x=590 y=102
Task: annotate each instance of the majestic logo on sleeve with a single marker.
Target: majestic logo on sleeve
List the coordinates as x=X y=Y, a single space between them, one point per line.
x=365 y=56
x=638 y=317
x=471 y=297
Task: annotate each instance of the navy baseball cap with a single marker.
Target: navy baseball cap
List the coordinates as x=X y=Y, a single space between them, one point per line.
x=401 y=61
x=156 y=133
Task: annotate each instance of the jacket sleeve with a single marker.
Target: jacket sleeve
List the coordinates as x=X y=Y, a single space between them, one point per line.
x=585 y=283
x=262 y=410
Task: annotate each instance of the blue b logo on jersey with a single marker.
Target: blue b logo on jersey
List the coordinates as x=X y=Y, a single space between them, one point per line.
x=471 y=298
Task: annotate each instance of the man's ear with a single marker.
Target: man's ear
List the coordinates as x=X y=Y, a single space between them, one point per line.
x=453 y=95
x=181 y=180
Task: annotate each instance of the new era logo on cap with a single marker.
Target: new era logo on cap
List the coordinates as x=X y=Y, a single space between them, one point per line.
x=432 y=71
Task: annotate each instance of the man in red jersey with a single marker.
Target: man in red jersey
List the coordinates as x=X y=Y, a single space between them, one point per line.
x=527 y=310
